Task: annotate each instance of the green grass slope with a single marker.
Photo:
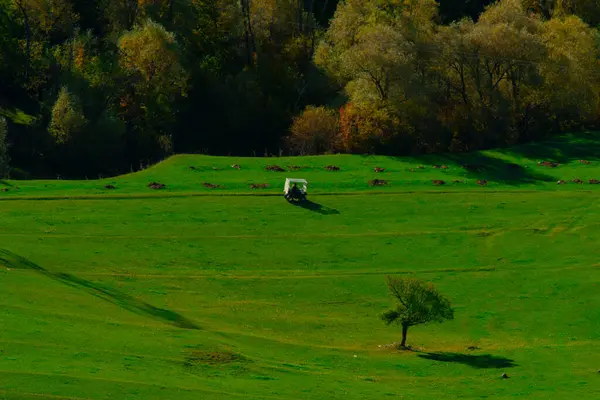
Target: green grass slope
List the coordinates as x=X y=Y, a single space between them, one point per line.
x=225 y=297
x=514 y=168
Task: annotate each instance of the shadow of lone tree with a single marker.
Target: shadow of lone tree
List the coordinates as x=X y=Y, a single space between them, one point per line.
x=475 y=361
x=417 y=303
x=108 y=294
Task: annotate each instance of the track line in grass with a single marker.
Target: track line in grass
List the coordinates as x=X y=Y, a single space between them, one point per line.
x=138 y=196
x=129 y=382
x=94 y=350
x=278 y=236
x=43 y=395
x=86 y=318
x=470 y=231
x=216 y=275
x=490 y=268
x=268 y=276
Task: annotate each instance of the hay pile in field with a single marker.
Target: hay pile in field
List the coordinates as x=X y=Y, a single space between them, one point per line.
x=212 y=186
x=378 y=182
x=156 y=185
x=274 y=168
x=548 y=164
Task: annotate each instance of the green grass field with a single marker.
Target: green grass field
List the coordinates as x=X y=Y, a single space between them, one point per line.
x=192 y=293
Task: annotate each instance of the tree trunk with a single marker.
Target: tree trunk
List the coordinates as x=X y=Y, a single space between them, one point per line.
x=250 y=43
x=23 y=8
x=404 y=332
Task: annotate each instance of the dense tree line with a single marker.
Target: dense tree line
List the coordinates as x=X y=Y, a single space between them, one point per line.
x=107 y=86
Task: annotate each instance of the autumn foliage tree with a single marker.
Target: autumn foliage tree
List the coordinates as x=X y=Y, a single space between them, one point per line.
x=417 y=303
x=315 y=131
x=150 y=59
x=417 y=87
x=68 y=119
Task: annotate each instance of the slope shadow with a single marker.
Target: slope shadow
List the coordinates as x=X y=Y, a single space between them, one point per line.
x=475 y=361
x=110 y=295
x=5 y=183
x=563 y=149
x=486 y=167
x=316 y=207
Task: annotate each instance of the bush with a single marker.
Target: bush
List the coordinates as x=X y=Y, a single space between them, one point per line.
x=67 y=117
x=367 y=128
x=315 y=131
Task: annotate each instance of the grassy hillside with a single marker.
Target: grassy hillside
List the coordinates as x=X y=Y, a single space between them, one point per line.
x=224 y=297
x=512 y=168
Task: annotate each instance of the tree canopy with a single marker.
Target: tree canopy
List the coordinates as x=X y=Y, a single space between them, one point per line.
x=141 y=79
x=417 y=303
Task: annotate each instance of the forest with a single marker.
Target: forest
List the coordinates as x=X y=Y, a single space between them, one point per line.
x=93 y=88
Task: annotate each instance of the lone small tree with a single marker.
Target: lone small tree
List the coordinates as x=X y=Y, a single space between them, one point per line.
x=418 y=302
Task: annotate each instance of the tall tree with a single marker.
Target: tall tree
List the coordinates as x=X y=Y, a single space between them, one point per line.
x=68 y=119
x=156 y=80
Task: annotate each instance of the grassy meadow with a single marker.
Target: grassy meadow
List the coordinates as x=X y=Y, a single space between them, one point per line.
x=193 y=293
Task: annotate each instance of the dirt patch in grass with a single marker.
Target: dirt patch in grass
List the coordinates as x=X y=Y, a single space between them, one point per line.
x=378 y=182
x=482 y=182
x=259 y=185
x=440 y=167
x=4 y=190
x=212 y=186
x=457 y=181
x=295 y=168
x=594 y=182
x=586 y=162
x=548 y=164
x=236 y=166
x=379 y=169
x=332 y=168
x=438 y=182
x=577 y=180
x=274 y=168
x=561 y=182
x=110 y=187
x=156 y=185
x=199 y=357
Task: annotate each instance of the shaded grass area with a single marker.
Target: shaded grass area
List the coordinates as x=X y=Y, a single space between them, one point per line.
x=475 y=361
x=110 y=295
x=514 y=168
